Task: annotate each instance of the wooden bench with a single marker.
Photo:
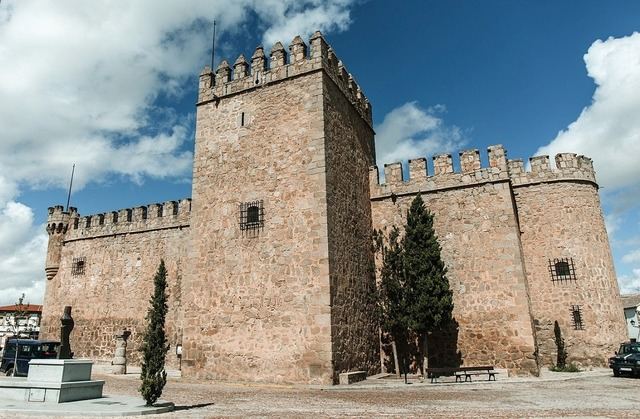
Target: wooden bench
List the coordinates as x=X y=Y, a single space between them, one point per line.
x=466 y=372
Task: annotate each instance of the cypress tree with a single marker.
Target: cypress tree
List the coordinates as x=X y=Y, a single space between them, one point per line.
x=561 y=357
x=154 y=344
x=430 y=301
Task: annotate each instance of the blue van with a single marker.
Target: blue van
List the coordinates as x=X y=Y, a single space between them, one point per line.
x=27 y=350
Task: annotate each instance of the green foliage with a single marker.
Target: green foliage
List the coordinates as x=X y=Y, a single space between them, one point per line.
x=393 y=291
x=430 y=300
x=414 y=295
x=571 y=367
x=561 y=358
x=154 y=344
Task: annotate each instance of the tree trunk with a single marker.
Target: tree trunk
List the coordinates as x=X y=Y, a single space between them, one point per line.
x=383 y=369
x=395 y=357
x=425 y=355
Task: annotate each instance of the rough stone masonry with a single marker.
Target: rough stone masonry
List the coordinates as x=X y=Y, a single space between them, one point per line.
x=271 y=265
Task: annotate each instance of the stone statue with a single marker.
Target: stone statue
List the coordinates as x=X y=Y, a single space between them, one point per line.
x=120 y=357
x=66 y=327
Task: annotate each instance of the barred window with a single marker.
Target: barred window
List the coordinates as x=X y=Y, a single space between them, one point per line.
x=562 y=270
x=251 y=216
x=576 y=317
x=78 y=265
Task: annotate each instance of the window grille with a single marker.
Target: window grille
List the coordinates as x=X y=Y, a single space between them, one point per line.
x=252 y=216
x=77 y=266
x=576 y=317
x=562 y=270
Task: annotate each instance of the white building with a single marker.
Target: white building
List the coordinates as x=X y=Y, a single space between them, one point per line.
x=631 y=305
x=26 y=327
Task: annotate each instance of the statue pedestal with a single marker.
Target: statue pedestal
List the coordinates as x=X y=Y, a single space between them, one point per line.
x=54 y=381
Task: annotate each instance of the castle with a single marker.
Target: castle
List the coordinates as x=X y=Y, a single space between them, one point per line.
x=271 y=267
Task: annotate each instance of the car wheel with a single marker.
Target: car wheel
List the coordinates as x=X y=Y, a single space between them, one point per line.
x=9 y=372
x=616 y=372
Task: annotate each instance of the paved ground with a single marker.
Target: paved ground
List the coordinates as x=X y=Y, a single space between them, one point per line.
x=588 y=394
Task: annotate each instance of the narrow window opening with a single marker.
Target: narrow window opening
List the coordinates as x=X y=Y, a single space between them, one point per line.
x=77 y=266
x=101 y=219
x=129 y=215
x=576 y=317
x=242 y=119
x=252 y=216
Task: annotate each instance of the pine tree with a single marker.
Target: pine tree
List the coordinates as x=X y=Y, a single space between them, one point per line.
x=154 y=346
x=430 y=301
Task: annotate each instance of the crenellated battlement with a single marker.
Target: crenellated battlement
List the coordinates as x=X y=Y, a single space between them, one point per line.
x=444 y=176
x=170 y=214
x=243 y=76
x=569 y=166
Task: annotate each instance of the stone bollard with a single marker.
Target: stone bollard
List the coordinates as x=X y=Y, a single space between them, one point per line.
x=120 y=358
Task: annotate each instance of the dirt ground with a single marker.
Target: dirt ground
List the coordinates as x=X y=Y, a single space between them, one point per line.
x=588 y=394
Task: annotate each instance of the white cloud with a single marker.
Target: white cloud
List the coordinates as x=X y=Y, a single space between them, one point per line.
x=410 y=131
x=612 y=223
x=633 y=256
x=80 y=83
x=608 y=130
x=630 y=283
x=22 y=252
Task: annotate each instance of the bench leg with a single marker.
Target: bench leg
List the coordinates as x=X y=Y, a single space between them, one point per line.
x=458 y=378
x=492 y=375
x=467 y=377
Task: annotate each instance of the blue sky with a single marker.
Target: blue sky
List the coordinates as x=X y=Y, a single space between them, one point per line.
x=113 y=90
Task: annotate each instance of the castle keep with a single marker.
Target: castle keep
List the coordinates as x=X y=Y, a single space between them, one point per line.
x=271 y=267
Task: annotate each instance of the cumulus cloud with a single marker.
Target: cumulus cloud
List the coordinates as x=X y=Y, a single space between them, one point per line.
x=410 y=131
x=22 y=250
x=609 y=128
x=93 y=82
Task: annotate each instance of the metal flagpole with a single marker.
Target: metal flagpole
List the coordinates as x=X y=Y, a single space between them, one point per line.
x=73 y=169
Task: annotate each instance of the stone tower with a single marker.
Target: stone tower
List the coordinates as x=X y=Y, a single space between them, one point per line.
x=281 y=266
x=567 y=257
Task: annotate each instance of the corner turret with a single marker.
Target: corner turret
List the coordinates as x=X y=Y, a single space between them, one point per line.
x=57 y=226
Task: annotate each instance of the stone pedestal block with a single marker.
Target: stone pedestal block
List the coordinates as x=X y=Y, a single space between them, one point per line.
x=54 y=381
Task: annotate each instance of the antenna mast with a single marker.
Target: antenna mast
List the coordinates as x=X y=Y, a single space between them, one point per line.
x=73 y=169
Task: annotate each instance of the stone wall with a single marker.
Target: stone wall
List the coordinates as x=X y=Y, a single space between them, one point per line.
x=349 y=153
x=561 y=218
x=117 y=283
x=477 y=228
x=259 y=300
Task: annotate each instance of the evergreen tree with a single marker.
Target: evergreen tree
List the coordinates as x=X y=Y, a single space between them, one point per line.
x=393 y=293
x=429 y=299
x=154 y=346
x=561 y=357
